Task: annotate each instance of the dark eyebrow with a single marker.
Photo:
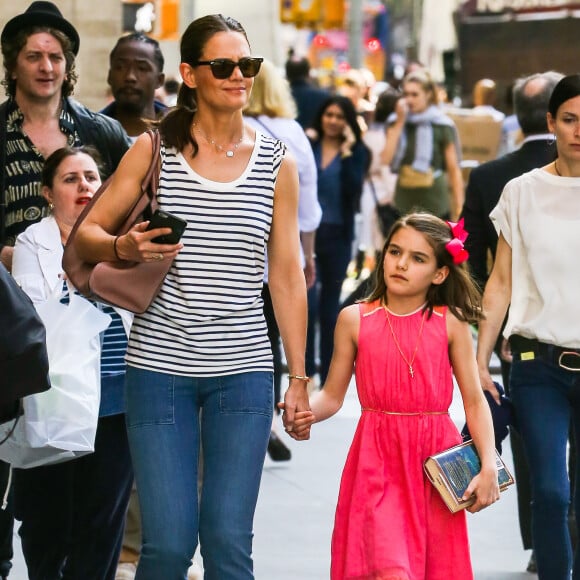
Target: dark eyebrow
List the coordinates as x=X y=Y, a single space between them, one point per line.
x=414 y=252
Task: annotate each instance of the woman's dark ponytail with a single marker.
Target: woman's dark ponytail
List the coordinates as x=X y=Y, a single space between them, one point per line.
x=175 y=127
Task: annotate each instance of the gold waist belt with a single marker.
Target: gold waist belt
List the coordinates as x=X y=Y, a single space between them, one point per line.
x=406 y=414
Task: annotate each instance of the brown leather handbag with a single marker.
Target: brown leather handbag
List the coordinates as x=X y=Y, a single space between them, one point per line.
x=129 y=285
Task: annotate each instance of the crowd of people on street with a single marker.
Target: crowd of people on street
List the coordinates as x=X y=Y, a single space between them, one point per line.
x=286 y=190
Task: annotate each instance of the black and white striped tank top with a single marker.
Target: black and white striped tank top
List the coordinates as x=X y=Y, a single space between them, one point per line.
x=208 y=317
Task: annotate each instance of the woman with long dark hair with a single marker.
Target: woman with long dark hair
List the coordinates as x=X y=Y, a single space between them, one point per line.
x=535 y=275
x=199 y=359
x=342 y=160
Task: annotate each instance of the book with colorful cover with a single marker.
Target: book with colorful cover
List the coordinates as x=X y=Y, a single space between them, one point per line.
x=452 y=470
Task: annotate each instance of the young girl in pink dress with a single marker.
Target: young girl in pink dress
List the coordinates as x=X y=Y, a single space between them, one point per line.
x=405 y=341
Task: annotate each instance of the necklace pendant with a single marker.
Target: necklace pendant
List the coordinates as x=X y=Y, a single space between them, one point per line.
x=229 y=153
x=411 y=372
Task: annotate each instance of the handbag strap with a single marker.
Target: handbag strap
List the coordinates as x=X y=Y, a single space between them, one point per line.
x=150 y=183
x=373 y=190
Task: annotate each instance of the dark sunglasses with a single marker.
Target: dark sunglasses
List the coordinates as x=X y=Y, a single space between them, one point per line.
x=222 y=68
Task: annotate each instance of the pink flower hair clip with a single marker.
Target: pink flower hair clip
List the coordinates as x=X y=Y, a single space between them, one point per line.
x=455 y=246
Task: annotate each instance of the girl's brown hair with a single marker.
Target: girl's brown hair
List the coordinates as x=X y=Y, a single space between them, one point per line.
x=458 y=292
x=175 y=127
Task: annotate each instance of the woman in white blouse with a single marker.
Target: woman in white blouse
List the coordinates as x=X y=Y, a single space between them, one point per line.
x=536 y=275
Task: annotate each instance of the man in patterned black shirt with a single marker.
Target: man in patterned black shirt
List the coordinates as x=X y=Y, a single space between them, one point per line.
x=39 y=49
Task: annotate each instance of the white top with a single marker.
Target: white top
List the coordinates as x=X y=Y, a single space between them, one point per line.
x=384 y=182
x=37 y=264
x=208 y=318
x=292 y=135
x=539 y=217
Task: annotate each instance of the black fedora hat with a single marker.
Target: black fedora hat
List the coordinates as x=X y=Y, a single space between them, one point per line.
x=42 y=14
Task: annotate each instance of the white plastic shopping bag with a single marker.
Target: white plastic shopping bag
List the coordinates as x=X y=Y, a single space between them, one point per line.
x=61 y=423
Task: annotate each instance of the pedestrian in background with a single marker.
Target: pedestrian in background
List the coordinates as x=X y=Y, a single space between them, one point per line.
x=135 y=72
x=39 y=48
x=342 y=161
x=423 y=149
x=199 y=360
x=308 y=96
x=484 y=188
x=534 y=274
x=73 y=513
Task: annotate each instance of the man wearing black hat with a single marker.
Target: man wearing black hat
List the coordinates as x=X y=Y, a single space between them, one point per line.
x=39 y=49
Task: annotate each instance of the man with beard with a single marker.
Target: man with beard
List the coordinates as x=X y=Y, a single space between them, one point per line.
x=135 y=72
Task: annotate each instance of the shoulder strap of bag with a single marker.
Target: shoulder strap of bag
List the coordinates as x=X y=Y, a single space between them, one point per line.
x=373 y=190
x=76 y=268
x=150 y=183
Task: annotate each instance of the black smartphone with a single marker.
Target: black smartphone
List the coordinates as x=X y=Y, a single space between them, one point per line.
x=164 y=219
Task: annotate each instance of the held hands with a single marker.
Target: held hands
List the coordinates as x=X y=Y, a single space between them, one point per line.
x=303 y=420
x=136 y=245
x=485 y=488
x=297 y=416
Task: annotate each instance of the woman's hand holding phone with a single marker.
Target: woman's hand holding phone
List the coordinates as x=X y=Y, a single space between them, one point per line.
x=137 y=244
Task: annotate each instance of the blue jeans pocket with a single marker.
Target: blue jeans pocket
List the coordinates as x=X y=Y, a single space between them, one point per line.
x=250 y=392
x=150 y=398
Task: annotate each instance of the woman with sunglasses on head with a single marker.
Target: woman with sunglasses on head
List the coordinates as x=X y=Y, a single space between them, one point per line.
x=199 y=359
x=536 y=275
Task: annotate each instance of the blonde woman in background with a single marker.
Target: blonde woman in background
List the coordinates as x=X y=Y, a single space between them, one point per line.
x=272 y=110
x=423 y=148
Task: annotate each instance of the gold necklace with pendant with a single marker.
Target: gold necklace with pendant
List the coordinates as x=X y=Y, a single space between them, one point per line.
x=409 y=363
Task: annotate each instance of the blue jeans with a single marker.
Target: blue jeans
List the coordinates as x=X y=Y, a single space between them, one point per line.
x=168 y=418
x=546 y=398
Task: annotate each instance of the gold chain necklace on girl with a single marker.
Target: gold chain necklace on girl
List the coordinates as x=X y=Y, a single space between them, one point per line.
x=229 y=152
x=409 y=363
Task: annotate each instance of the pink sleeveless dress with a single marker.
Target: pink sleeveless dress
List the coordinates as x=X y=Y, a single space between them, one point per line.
x=390 y=522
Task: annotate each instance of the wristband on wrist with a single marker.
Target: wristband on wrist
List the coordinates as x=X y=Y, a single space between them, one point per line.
x=304 y=378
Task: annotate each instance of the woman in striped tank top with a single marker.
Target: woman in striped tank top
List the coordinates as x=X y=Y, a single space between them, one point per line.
x=199 y=360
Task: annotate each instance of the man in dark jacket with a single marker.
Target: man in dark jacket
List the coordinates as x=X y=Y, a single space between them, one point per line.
x=39 y=49
x=484 y=188
x=308 y=98
x=486 y=182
